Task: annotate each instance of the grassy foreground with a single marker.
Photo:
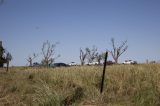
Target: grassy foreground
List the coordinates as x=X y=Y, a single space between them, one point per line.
x=125 y=85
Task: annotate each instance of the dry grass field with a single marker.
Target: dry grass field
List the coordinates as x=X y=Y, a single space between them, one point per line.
x=125 y=85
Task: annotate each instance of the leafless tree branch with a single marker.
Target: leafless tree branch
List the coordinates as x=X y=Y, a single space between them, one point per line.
x=48 y=51
x=118 y=51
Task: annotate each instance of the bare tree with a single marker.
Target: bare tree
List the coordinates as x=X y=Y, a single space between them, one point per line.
x=8 y=58
x=2 y=51
x=99 y=58
x=31 y=58
x=48 y=51
x=119 y=50
x=82 y=56
x=91 y=54
x=5 y=56
x=103 y=56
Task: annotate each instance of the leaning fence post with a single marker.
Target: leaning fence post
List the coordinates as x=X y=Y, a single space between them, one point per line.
x=104 y=69
x=7 y=65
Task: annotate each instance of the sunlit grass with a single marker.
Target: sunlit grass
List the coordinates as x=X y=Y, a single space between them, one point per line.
x=125 y=85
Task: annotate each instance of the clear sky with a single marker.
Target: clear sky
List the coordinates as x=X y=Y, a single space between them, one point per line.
x=75 y=24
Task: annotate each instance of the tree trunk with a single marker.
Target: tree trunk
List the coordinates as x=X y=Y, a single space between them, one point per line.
x=30 y=63
x=116 y=60
x=82 y=63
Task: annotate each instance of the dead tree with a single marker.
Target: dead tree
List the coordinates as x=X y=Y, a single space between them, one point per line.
x=31 y=58
x=99 y=58
x=82 y=56
x=48 y=51
x=5 y=56
x=91 y=54
x=8 y=58
x=2 y=51
x=118 y=51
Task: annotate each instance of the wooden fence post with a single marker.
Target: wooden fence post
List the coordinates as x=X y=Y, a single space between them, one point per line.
x=104 y=69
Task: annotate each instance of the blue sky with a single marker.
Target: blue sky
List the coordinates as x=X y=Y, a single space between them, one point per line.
x=75 y=24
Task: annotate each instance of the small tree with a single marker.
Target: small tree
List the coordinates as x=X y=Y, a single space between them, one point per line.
x=103 y=56
x=8 y=58
x=82 y=56
x=91 y=54
x=2 y=51
x=118 y=51
x=99 y=58
x=48 y=51
x=31 y=58
x=5 y=56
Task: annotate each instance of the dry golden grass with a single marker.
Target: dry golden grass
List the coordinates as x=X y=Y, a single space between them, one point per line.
x=125 y=85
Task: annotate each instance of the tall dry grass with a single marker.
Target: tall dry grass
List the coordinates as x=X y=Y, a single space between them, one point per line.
x=125 y=85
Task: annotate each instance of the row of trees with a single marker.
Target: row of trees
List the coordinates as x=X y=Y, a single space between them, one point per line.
x=88 y=55
x=91 y=55
x=48 y=53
